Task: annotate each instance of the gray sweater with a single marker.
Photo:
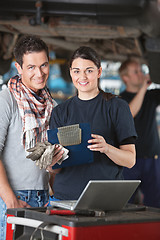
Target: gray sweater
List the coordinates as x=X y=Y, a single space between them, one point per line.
x=22 y=173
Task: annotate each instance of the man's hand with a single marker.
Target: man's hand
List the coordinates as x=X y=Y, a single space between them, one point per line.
x=147 y=81
x=45 y=154
x=16 y=203
x=58 y=154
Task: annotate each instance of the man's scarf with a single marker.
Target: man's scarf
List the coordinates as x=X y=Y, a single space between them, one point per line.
x=35 y=111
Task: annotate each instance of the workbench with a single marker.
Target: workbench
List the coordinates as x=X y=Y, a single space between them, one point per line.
x=132 y=223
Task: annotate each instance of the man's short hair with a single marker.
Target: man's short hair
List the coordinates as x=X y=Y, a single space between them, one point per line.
x=28 y=44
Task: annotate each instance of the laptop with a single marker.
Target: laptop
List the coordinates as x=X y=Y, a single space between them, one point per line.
x=101 y=195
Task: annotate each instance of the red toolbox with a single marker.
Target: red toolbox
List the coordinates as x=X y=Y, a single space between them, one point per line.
x=134 y=222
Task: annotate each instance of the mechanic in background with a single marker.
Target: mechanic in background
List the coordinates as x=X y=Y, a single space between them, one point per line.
x=143 y=104
x=25 y=108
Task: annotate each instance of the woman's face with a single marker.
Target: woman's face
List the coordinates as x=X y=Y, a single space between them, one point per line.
x=85 y=74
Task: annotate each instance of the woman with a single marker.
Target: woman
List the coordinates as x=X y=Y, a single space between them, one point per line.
x=112 y=127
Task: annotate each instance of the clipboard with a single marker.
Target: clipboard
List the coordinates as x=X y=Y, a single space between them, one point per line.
x=78 y=154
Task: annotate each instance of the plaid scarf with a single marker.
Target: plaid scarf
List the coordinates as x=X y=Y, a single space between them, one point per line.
x=35 y=111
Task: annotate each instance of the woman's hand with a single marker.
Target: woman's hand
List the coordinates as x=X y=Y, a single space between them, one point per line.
x=124 y=156
x=98 y=143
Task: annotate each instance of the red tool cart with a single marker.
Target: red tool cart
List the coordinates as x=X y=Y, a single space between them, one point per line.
x=134 y=222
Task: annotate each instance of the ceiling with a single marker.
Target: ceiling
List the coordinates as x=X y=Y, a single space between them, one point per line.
x=115 y=28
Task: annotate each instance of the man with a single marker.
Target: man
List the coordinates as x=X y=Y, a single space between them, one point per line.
x=25 y=108
x=143 y=105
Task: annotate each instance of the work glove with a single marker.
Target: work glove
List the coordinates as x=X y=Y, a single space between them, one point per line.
x=43 y=153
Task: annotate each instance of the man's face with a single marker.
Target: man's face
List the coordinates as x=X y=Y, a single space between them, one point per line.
x=34 y=71
x=135 y=75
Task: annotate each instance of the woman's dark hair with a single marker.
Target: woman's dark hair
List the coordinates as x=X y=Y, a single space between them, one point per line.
x=90 y=54
x=29 y=44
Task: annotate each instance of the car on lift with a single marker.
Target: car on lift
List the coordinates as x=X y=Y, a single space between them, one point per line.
x=116 y=29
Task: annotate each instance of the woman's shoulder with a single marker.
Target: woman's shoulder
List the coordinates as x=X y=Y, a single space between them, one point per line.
x=113 y=99
x=117 y=99
x=117 y=104
x=64 y=104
